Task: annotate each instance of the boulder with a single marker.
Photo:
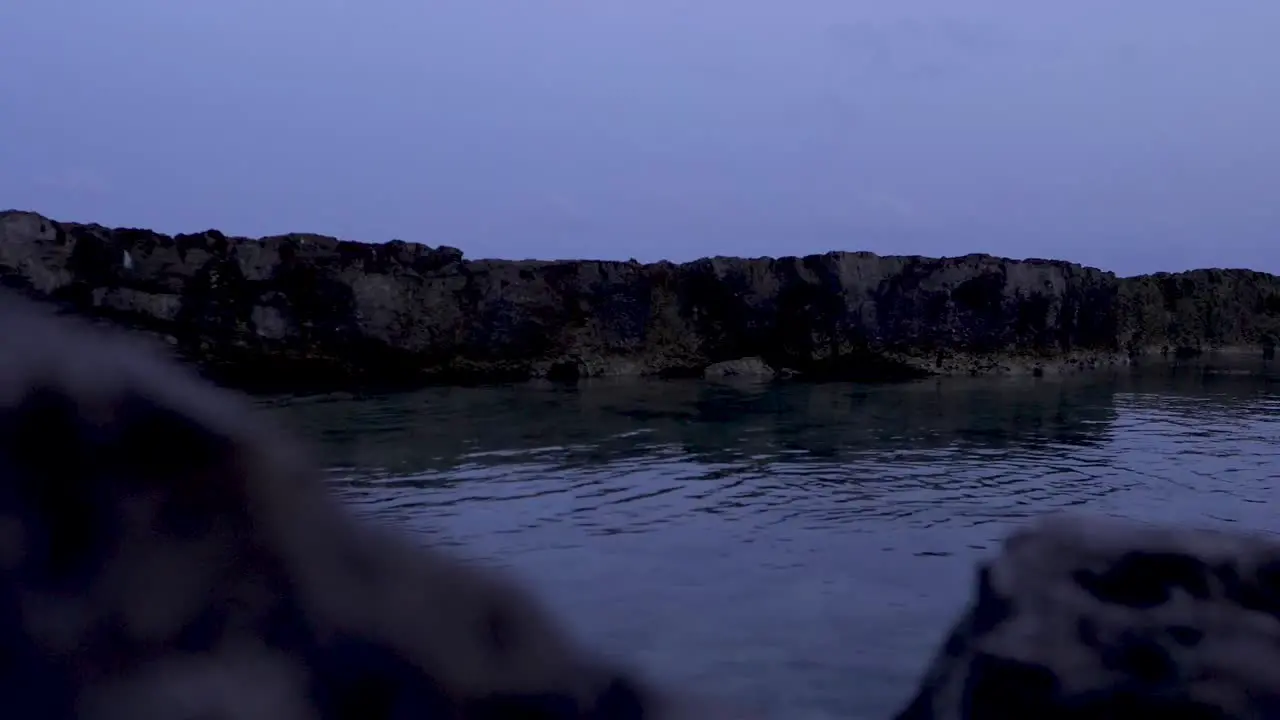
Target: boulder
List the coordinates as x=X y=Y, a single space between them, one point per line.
x=166 y=553
x=751 y=368
x=1098 y=619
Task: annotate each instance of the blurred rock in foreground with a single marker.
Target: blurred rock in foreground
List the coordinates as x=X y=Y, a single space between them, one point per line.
x=166 y=555
x=308 y=312
x=1096 y=620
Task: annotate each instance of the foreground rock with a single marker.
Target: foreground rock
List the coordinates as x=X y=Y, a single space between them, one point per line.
x=312 y=312
x=1093 y=620
x=165 y=555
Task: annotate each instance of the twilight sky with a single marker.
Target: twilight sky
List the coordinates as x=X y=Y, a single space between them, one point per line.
x=1135 y=135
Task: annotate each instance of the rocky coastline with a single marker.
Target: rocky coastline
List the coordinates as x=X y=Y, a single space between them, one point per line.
x=305 y=312
x=180 y=543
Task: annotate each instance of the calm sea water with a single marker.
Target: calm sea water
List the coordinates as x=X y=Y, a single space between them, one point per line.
x=799 y=548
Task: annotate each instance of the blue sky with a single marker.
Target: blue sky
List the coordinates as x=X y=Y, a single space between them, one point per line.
x=1136 y=135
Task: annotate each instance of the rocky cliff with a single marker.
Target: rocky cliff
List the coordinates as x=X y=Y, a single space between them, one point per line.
x=310 y=312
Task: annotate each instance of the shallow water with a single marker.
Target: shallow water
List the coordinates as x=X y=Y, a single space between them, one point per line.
x=800 y=548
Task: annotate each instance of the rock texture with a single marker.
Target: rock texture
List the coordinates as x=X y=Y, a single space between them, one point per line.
x=306 y=311
x=1098 y=620
x=166 y=554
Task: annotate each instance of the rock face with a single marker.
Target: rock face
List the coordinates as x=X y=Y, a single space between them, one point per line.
x=306 y=311
x=165 y=554
x=1098 y=620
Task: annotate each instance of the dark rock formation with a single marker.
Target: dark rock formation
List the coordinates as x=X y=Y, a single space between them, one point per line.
x=165 y=554
x=750 y=368
x=294 y=311
x=1105 y=620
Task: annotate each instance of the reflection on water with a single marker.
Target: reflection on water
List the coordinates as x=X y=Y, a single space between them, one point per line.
x=801 y=547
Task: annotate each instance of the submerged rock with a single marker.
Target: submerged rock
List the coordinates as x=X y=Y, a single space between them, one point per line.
x=303 y=311
x=1097 y=619
x=754 y=368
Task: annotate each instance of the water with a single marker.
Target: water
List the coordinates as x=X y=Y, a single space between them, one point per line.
x=801 y=548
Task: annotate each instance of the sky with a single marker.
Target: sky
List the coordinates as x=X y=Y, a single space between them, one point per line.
x=1135 y=136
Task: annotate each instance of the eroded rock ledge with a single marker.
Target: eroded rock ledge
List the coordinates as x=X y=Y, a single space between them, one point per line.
x=312 y=312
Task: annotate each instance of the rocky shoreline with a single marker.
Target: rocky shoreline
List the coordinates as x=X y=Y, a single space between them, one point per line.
x=307 y=312
x=180 y=543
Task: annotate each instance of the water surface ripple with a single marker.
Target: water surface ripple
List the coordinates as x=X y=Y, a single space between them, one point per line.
x=799 y=547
